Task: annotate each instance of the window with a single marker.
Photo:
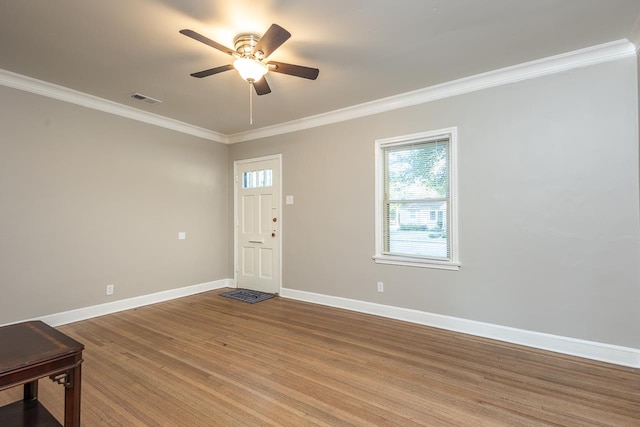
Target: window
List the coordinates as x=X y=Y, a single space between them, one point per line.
x=416 y=220
x=256 y=179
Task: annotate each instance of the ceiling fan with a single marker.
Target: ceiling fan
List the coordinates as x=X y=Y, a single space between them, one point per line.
x=251 y=53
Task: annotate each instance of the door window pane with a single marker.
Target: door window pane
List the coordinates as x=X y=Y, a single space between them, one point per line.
x=258 y=178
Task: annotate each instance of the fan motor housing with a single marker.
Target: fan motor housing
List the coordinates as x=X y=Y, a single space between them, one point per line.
x=245 y=43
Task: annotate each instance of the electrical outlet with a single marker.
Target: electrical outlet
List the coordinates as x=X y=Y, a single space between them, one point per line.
x=380 y=287
x=110 y=289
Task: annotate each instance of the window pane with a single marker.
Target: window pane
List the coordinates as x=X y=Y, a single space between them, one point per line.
x=268 y=178
x=259 y=178
x=418 y=171
x=411 y=231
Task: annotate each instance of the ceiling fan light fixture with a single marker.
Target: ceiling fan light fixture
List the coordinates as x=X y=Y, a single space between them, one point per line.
x=250 y=69
x=251 y=58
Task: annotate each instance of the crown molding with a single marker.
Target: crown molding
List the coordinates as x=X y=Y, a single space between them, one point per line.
x=529 y=70
x=61 y=93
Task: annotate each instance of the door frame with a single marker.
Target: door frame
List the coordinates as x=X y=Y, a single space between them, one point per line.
x=236 y=182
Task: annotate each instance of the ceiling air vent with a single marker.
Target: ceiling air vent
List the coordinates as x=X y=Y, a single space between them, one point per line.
x=144 y=98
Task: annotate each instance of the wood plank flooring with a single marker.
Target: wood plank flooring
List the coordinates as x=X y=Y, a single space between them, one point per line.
x=206 y=360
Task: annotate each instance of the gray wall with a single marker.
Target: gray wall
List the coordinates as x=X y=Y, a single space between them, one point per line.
x=549 y=209
x=90 y=199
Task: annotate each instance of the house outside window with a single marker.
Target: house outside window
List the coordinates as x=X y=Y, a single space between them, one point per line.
x=416 y=202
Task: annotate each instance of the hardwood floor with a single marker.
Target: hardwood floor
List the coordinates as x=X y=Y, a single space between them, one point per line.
x=206 y=360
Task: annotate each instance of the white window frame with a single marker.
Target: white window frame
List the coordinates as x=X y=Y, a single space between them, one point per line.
x=380 y=144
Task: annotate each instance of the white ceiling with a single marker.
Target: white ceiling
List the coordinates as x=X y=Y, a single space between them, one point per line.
x=365 y=49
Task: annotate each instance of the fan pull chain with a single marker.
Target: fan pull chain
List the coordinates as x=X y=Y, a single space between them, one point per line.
x=250 y=103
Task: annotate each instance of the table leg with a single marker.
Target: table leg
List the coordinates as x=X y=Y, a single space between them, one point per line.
x=72 y=398
x=31 y=390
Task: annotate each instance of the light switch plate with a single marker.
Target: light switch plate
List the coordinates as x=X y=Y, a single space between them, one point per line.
x=289 y=200
x=182 y=235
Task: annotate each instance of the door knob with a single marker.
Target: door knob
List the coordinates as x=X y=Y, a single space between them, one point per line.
x=275 y=219
x=273 y=234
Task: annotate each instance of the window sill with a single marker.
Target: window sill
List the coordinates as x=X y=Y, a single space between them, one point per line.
x=416 y=262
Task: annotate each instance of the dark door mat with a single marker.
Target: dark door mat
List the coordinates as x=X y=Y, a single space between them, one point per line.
x=247 y=295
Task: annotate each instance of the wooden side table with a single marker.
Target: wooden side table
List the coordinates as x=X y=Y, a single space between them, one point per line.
x=33 y=350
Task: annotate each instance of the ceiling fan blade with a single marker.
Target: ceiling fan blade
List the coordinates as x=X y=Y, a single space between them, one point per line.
x=261 y=86
x=272 y=39
x=294 y=70
x=207 y=41
x=212 y=71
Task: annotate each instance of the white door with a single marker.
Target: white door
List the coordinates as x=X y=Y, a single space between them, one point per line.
x=258 y=224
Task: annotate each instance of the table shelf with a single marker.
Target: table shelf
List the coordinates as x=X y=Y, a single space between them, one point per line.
x=27 y=413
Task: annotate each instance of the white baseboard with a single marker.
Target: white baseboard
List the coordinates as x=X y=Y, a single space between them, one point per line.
x=84 y=313
x=618 y=355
